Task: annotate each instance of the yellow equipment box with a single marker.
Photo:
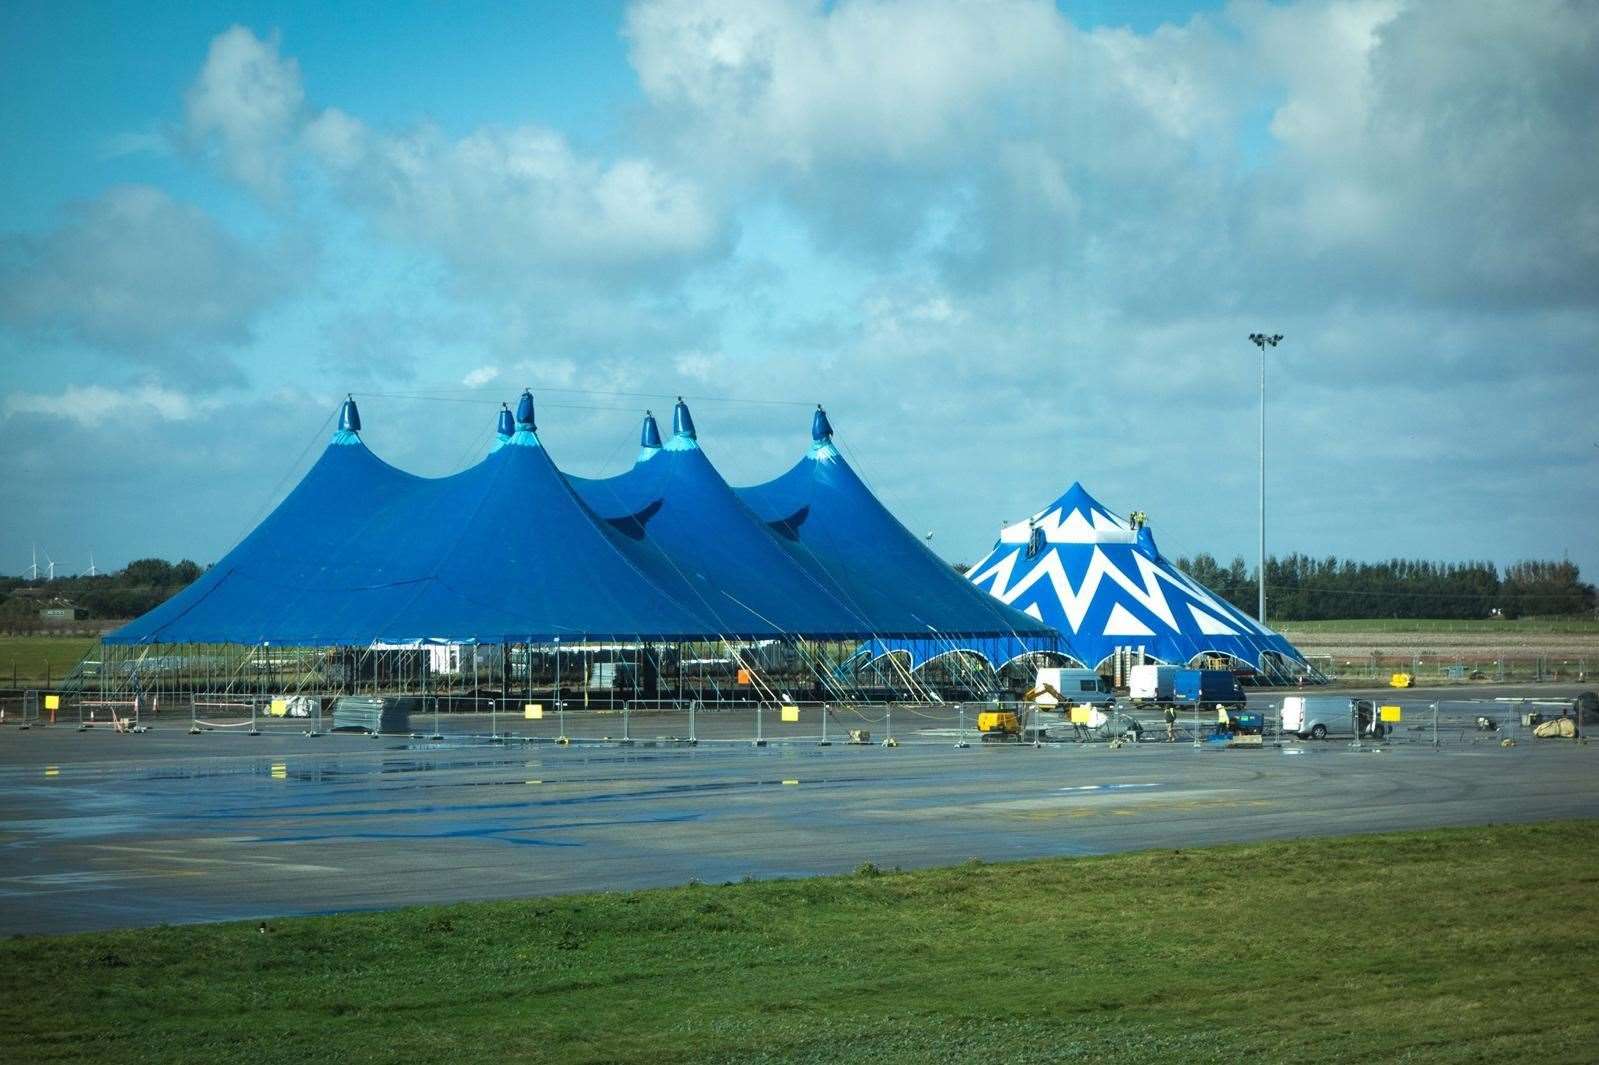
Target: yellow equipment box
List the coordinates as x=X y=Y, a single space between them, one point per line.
x=1001 y=722
x=532 y=711
x=1390 y=713
x=791 y=713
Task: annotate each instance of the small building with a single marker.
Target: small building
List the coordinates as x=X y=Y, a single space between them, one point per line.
x=61 y=610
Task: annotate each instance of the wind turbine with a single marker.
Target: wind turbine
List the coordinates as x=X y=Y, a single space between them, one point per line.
x=91 y=572
x=51 y=563
x=33 y=571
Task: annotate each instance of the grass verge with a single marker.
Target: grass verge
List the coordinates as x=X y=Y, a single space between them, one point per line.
x=1450 y=946
x=1482 y=627
x=33 y=659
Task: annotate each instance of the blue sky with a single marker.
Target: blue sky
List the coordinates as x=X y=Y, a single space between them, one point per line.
x=1010 y=245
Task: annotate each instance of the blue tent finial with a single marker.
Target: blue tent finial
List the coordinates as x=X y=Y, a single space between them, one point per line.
x=506 y=424
x=650 y=435
x=821 y=428
x=682 y=422
x=524 y=411
x=349 y=417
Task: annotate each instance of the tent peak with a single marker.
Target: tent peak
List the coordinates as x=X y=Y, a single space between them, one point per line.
x=349 y=416
x=682 y=421
x=526 y=434
x=349 y=422
x=821 y=428
x=649 y=434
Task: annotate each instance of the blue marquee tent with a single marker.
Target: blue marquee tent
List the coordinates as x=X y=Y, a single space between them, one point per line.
x=512 y=551
x=713 y=552
x=834 y=527
x=361 y=552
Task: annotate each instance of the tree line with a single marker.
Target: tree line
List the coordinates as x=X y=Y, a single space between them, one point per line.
x=137 y=587
x=1301 y=588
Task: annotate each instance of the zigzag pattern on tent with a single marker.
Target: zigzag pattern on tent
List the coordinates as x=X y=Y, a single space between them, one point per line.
x=1105 y=585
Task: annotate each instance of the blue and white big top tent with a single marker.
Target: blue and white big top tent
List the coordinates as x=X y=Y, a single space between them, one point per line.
x=1105 y=586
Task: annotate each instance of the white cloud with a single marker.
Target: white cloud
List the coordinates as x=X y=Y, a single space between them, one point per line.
x=248 y=102
x=91 y=405
x=135 y=142
x=500 y=202
x=797 y=85
x=136 y=272
x=481 y=376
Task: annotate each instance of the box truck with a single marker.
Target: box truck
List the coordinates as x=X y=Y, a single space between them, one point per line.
x=1151 y=684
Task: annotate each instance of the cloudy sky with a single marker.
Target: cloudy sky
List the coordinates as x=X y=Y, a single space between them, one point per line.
x=1008 y=244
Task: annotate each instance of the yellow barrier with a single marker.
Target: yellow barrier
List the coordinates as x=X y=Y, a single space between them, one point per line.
x=1390 y=713
x=533 y=711
x=790 y=713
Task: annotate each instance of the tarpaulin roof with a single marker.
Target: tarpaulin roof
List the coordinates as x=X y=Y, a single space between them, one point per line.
x=361 y=552
x=833 y=526
x=714 y=553
x=509 y=551
x=1105 y=585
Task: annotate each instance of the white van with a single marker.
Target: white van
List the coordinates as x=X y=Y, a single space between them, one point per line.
x=1076 y=686
x=1151 y=684
x=1312 y=717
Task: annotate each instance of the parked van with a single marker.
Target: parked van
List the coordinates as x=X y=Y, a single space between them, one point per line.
x=1312 y=717
x=1076 y=686
x=1210 y=687
x=1151 y=684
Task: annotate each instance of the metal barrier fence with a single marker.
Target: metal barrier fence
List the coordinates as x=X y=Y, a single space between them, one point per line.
x=691 y=722
x=1400 y=721
x=252 y=716
x=119 y=715
x=1444 y=668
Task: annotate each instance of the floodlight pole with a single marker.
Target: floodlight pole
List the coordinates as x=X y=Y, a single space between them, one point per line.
x=1263 y=341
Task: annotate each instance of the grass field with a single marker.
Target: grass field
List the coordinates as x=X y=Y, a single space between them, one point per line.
x=1484 y=627
x=1445 y=946
x=31 y=659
